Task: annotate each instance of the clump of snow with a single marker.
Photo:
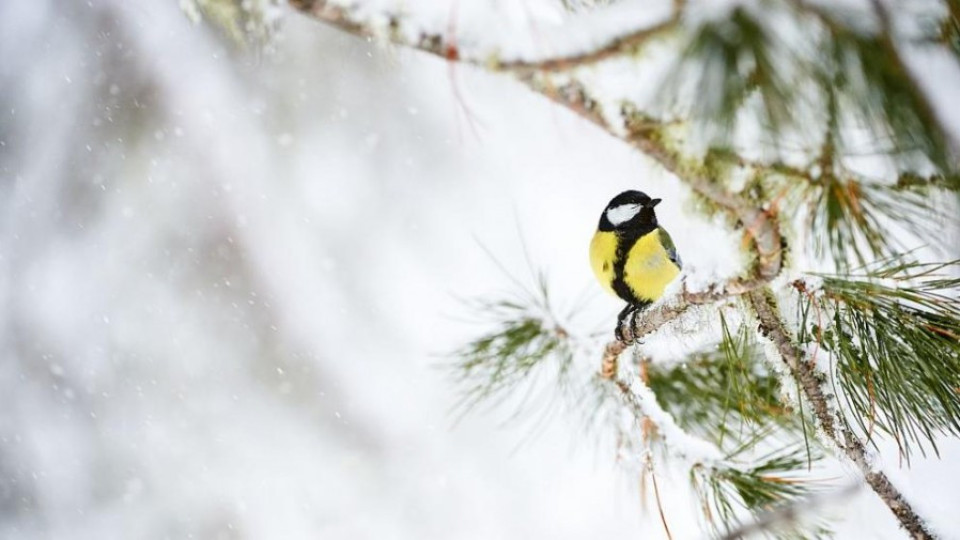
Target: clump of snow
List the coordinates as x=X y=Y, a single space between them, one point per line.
x=691 y=448
x=696 y=330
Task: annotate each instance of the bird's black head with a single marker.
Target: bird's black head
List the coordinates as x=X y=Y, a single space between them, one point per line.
x=629 y=211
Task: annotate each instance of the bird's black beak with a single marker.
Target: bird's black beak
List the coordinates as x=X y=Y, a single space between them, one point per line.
x=653 y=202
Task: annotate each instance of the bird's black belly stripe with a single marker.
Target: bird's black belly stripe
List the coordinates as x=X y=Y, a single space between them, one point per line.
x=626 y=241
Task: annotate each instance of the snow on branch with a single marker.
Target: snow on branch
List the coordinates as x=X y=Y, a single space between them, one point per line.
x=902 y=105
x=640 y=132
x=812 y=384
x=347 y=16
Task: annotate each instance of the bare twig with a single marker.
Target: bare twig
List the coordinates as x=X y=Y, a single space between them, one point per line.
x=441 y=46
x=656 y=493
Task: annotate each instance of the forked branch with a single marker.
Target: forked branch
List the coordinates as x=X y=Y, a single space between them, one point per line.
x=759 y=223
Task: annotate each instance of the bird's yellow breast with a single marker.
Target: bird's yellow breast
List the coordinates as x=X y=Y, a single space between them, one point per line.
x=646 y=272
x=648 y=269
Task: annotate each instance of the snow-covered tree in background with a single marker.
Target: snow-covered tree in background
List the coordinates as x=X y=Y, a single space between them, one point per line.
x=823 y=133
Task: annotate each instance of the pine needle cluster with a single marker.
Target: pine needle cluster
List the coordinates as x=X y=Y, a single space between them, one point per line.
x=893 y=334
x=732 y=399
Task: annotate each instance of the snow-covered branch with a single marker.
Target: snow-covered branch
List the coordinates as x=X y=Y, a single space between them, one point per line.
x=757 y=217
x=760 y=225
x=812 y=383
x=445 y=44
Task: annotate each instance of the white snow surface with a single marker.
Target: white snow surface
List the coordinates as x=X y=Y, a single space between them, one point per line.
x=692 y=449
x=227 y=280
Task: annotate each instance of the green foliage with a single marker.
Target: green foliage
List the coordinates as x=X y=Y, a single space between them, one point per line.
x=726 y=61
x=894 y=333
x=950 y=27
x=847 y=78
x=771 y=480
x=730 y=398
x=526 y=341
x=724 y=395
x=870 y=78
x=859 y=220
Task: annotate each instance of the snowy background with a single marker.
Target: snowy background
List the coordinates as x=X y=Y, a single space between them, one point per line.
x=227 y=282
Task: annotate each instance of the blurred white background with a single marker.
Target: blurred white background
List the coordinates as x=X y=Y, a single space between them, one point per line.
x=228 y=279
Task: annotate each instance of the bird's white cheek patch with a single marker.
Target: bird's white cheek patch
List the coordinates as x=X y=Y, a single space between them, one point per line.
x=623 y=213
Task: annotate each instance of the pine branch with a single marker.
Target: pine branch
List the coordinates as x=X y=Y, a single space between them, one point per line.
x=725 y=481
x=527 y=340
x=787 y=515
x=446 y=46
x=761 y=227
x=852 y=218
x=894 y=334
x=766 y=483
x=894 y=97
x=726 y=61
x=812 y=384
x=496 y=363
x=727 y=408
x=650 y=137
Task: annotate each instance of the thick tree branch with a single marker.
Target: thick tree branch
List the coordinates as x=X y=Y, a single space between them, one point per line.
x=812 y=383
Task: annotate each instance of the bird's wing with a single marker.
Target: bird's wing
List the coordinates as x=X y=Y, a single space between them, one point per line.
x=671 y=249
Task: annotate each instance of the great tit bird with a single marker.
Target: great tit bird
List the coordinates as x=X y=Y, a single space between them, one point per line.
x=631 y=255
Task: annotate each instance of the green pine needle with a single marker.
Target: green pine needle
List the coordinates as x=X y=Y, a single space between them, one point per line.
x=722 y=396
x=776 y=478
x=497 y=362
x=526 y=341
x=727 y=61
x=852 y=219
x=896 y=344
x=729 y=398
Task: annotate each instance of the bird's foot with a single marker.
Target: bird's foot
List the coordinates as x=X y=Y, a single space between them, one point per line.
x=625 y=318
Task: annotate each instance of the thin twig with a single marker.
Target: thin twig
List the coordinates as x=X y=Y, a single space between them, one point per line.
x=656 y=493
x=616 y=46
